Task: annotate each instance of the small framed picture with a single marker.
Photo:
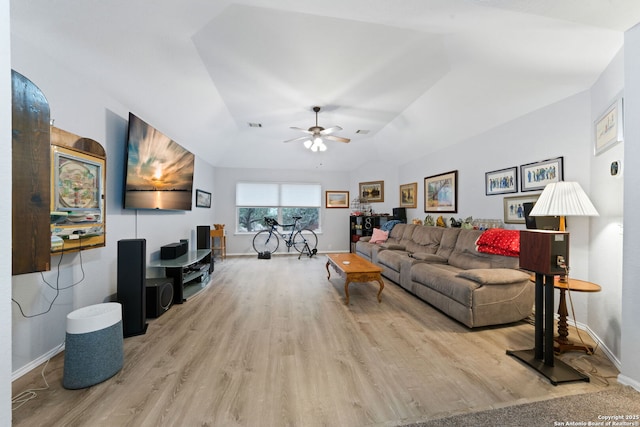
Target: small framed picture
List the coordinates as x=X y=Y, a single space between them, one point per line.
x=441 y=192
x=372 y=192
x=203 y=199
x=408 y=195
x=535 y=176
x=608 y=128
x=501 y=181
x=336 y=199
x=514 y=208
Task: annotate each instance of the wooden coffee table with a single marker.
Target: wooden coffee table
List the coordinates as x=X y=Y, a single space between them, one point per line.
x=356 y=269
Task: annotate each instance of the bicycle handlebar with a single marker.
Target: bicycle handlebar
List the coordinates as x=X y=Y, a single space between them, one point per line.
x=272 y=222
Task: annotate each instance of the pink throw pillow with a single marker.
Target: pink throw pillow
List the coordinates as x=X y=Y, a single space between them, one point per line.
x=379 y=236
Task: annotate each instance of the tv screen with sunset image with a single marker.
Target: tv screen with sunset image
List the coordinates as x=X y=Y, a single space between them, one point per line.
x=159 y=172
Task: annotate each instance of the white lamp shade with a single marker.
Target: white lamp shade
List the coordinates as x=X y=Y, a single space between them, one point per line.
x=563 y=199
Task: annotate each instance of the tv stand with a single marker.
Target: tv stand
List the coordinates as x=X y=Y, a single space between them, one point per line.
x=190 y=273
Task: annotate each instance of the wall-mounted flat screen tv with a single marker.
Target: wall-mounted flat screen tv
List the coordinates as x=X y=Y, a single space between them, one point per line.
x=158 y=172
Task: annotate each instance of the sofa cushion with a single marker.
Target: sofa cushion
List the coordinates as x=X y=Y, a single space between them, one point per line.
x=421 y=256
x=465 y=255
x=494 y=276
x=425 y=239
x=392 y=258
x=448 y=242
x=379 y=236
x=442 y=278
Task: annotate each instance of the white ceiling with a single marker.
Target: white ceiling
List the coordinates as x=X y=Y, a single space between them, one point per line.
x=417 y=74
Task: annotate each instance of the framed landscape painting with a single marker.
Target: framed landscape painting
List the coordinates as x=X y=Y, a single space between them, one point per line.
x=441 y=193
x=372 y=191
x=337 y=199
x=408 y=195
x=203 y=199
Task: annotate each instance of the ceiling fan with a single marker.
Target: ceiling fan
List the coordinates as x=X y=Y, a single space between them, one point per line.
x=314 y=141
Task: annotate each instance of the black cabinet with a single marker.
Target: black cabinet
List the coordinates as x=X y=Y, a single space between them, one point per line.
x=360 y=226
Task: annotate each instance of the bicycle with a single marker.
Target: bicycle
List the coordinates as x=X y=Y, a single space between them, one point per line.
x=302 y=240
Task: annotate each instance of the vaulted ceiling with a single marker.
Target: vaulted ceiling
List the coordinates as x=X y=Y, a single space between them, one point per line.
x=227 y=79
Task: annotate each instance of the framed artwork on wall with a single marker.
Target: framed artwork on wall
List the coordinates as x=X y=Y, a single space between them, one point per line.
x=441 y=192
x=608 y=128
x=501 y=181
x=514 y=208
x=372 y=192
x=203 y=199
x=336 y=199
x=408 y=195
x=535 y=176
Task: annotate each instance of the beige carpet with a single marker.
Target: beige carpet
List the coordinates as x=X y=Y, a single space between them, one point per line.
x=618 y=406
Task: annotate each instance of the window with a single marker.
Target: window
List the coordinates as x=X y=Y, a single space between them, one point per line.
x=282 y=201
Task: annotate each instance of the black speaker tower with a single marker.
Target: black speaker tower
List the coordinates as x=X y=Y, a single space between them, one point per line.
x=203 y=241
x=132 y=270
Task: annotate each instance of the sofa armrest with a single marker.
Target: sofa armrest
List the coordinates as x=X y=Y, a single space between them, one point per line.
x=494 y=276
x=364 y=239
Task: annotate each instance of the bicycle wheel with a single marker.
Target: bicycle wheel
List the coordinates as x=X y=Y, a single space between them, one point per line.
x=265 y=241
x=302 y=236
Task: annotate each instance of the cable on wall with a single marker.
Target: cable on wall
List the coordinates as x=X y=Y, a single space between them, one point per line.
x=57 y=287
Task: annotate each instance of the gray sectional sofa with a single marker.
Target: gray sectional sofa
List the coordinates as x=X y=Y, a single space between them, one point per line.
x=442 y=267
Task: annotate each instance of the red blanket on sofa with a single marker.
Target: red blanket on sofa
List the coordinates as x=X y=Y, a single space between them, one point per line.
x=499 y=241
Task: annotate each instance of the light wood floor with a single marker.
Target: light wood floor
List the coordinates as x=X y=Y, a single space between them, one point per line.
x=271 y=343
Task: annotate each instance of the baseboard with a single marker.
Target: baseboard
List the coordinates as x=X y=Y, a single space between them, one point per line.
x=37 y=362
x=278 y=253
x=624 y=380
x=600 y=344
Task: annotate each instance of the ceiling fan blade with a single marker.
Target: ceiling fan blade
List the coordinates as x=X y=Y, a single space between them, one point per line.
x=332 y=129
x=336 y=138
x=301 y=130
x=300 y=138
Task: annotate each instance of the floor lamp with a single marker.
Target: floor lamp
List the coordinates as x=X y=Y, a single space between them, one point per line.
x=546 y=253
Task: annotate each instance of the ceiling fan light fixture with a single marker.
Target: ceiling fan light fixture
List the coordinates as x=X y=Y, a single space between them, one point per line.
x=307 y=143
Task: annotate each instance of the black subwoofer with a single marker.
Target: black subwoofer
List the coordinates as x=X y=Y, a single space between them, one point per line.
x=159 y=296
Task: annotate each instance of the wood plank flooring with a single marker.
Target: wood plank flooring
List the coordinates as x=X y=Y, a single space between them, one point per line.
x=272 y=343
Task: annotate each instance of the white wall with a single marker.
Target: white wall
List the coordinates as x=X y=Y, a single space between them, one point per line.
x=80 y=107
x=334 y=236
x=630 y=340
x=5 y=215
x=605 y=249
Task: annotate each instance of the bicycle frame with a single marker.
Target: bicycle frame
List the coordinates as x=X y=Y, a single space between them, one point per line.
x=287 y=237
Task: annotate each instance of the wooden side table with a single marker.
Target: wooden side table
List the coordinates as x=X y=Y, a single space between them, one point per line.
x=222 y=242
x=562 y=341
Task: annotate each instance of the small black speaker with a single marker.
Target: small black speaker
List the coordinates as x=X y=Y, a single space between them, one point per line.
x=159 y=296
x=400 y=214
x=132 y=270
